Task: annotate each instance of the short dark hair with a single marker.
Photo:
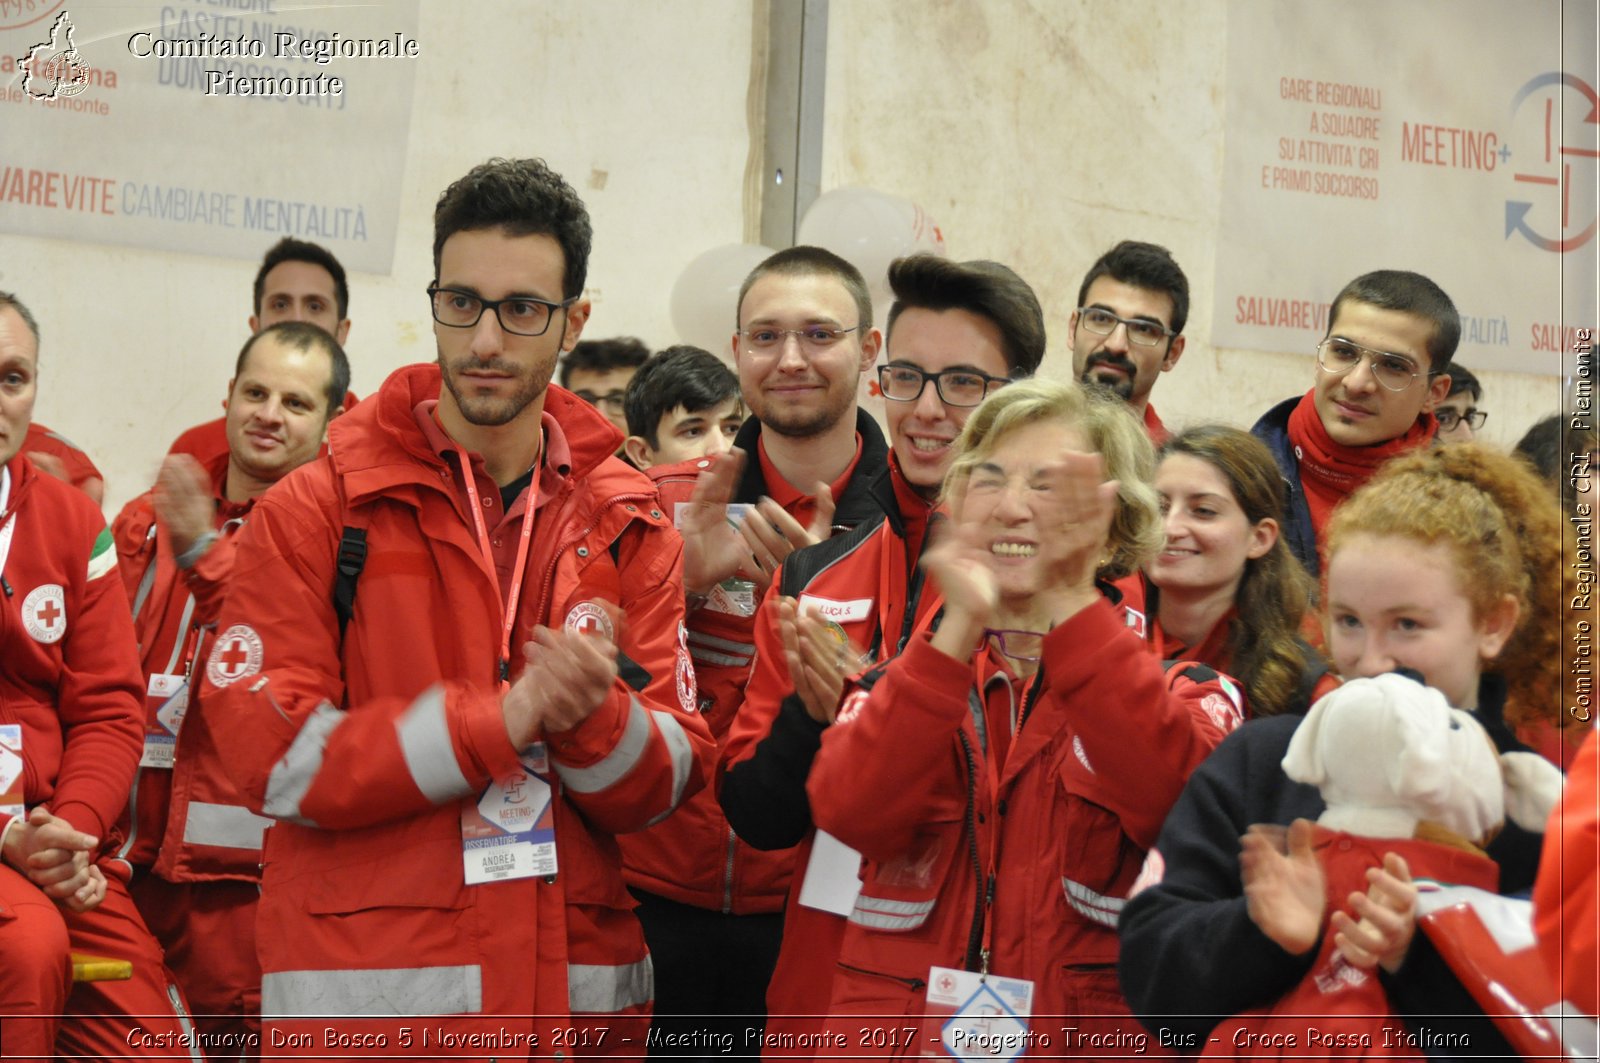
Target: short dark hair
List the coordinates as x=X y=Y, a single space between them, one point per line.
x=1409 y=293
x=521 y=197
x=686 y=376
x=1148 y=266
x=987 y=289
x=806 y=261
x=1461 y=379
x=8 y=299
x=304 y=336
x=291 y=250
x=602 y=356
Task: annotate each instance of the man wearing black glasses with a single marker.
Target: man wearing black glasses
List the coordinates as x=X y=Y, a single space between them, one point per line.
x=1128 y=328
x=1382 y=369
x=449 y=668
x=598 y=372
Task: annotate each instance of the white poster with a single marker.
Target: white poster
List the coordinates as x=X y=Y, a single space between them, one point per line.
x=1456 y=138
x=213 y=127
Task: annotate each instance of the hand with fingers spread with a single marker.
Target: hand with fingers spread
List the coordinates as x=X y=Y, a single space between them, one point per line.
x=1075 y=509
x=183 y=501
x=1388 y=912
x=1286 y=894
x=962 y=568
x=819 y=659
x=772 y=535
x=713 y=548
x=568 y=676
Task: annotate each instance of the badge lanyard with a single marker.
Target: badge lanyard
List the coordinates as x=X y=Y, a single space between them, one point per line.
x=525 y=540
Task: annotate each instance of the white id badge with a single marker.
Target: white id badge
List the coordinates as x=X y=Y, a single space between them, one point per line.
x=971 y=1016
x=11 y=796
x=511 y=832
x=166 y=701
x=833 y=876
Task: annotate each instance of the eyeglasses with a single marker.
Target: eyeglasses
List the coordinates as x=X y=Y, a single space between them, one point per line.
x=1104 y=322
x=1394 y=371
x=520 y=315
x=611 y=401
x=1016 y=644
x=956 y=387
x=1449 y=418
x=813 y=338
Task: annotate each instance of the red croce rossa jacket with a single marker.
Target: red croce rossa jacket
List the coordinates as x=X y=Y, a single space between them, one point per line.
x=366 y=756
x=190 y=823
x=1062 y=810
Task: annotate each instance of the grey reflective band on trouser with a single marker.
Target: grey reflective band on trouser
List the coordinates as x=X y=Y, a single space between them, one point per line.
x=594 y=988
x=185 y=1024
x=224 y=826
x=881 y=913
x=425 y=743
x=1096 y=907
x=682 y=753
x=615 y=764
x=366 y=994
x=291 y=777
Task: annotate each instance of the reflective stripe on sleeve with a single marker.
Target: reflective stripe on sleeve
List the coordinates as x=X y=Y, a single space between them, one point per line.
x=682 y=753
x=364 y=994
x=425 y=744
x=224 y=826
x=292 y=776
x=594 y=988
x=1096 y=907
x=881 y=913
x=616 y=764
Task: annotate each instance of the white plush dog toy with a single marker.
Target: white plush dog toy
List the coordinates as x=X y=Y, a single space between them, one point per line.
x=1389 y=753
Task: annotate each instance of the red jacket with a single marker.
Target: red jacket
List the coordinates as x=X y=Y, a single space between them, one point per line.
x=70 y=675
x=1338 y=1009
x=694 y=857
x=1566 y=896
x=367 y=756
x=868 y=583
x=1063 y=809
x=191 y=822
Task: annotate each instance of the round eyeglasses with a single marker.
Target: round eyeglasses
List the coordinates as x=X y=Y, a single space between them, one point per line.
x=1394 y=372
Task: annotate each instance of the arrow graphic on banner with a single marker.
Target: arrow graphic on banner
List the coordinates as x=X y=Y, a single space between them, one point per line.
x=1557 y=77
x=1516 y=221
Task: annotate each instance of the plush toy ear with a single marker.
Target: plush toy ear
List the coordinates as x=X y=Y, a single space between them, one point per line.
x=1417 y=749
x=1533 y=786
x=1303 y=762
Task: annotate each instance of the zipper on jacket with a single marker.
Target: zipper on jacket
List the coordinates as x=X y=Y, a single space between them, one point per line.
x=909 y=983
x=727 y=875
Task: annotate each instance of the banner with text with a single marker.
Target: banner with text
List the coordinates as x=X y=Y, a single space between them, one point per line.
x=214 y=127
x=1457 y=139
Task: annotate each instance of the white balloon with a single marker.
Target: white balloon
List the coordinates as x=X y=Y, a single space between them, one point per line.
x=870 y=229
x=705 y=297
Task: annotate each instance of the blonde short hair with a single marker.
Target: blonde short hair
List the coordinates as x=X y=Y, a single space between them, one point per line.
x=1111 y=430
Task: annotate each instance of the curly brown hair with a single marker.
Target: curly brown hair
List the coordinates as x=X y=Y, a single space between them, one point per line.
x=1504 y=529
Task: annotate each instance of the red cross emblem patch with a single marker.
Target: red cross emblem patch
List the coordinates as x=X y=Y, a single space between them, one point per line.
x=590 y=618
x=237 y=654
x=44 y=613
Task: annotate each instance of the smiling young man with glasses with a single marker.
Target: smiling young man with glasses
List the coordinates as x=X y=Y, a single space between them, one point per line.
x=957 y=332
x=1382 y=369
x=803 y=467
x=1128 y=328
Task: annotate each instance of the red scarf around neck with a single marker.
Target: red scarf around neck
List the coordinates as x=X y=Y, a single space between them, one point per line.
x=1330 y=471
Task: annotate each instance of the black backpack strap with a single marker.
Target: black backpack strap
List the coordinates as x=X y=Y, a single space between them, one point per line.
x=351 y=559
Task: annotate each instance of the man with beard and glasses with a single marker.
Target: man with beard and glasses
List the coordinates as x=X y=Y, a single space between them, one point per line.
x=1128 y=328
x=803 y=467
x=451 y=669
